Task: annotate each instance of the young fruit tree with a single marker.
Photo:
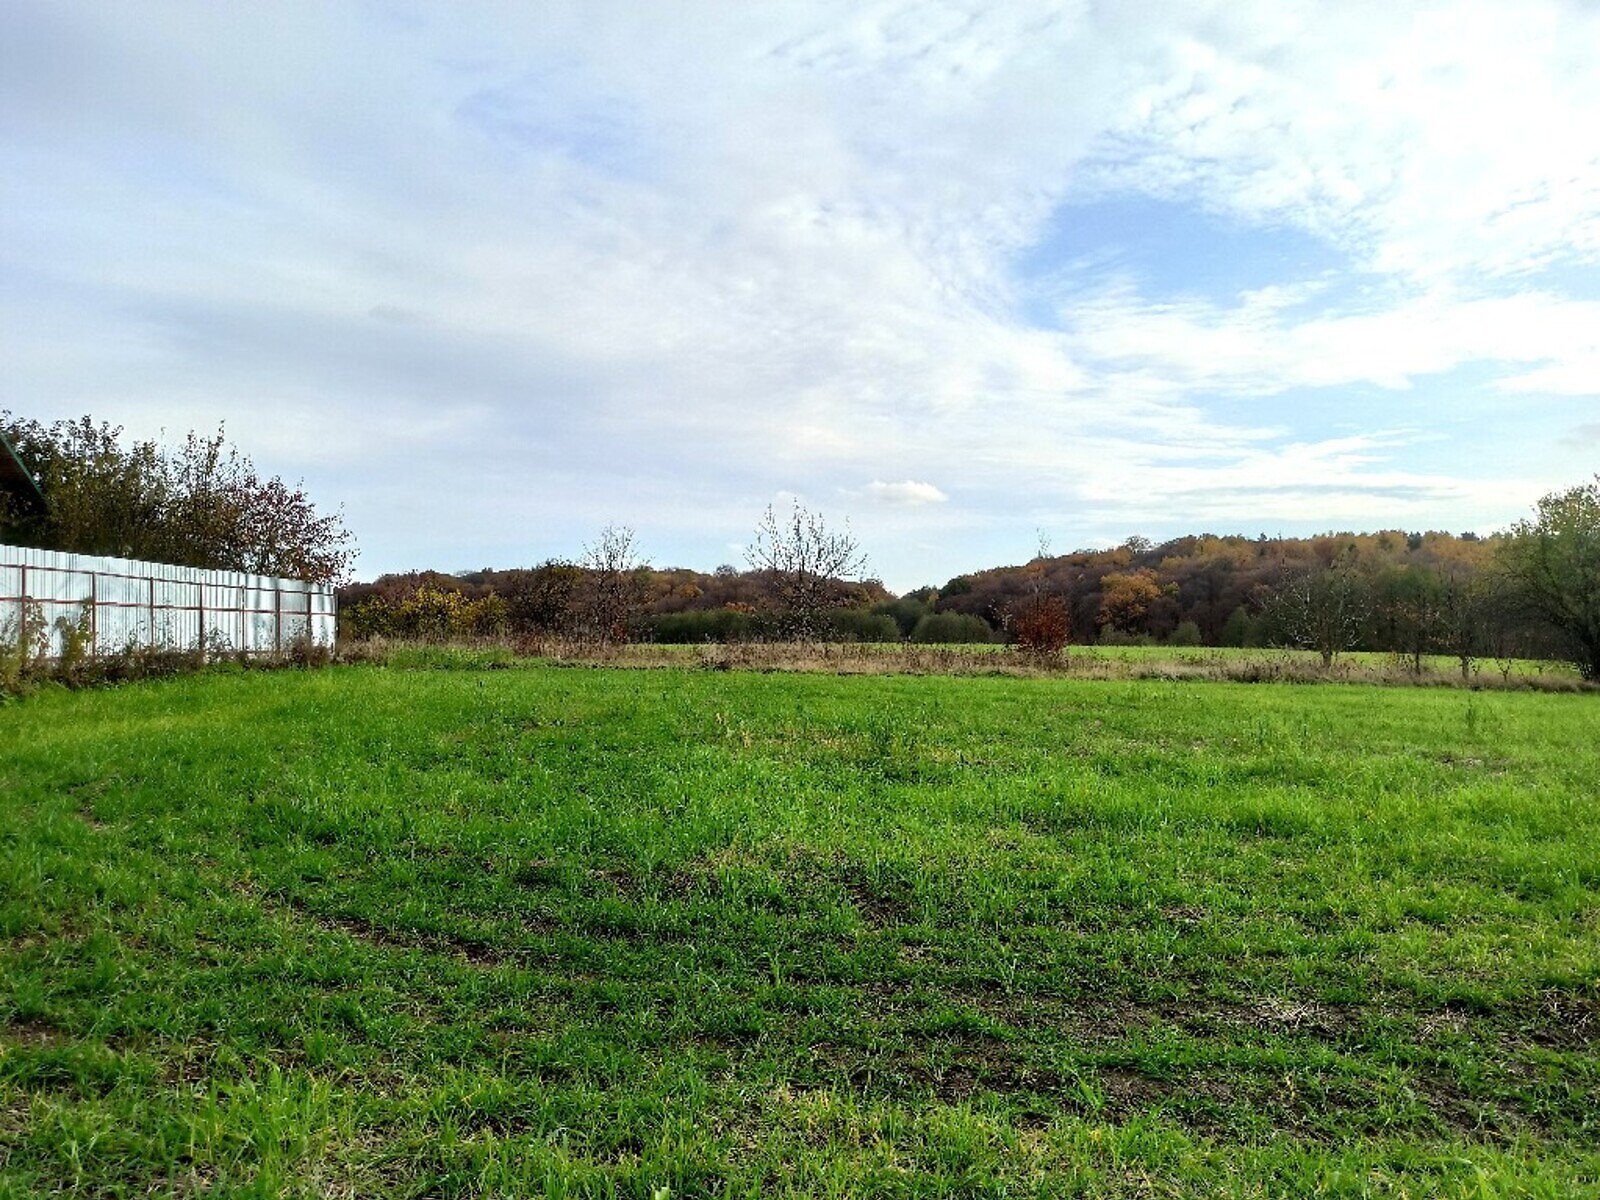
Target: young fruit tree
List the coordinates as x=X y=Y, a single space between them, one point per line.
x=612 y=563
x=808 y=567
x=1322 y=610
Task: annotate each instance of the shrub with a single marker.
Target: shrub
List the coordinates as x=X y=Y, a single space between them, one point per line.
x=369 y=618
x=431 y=614
x=853 y=625
x=1186 y=634
x=1041 y=626
x=488 y=616
x=952 y=629
x=905 y=612
x=693 y=628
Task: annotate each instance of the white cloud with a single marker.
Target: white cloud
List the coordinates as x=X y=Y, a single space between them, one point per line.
x=565 y=263
x=908 y=492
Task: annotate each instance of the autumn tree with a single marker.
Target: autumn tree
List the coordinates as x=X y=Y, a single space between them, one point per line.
x=1553 y=565
x=1125 y=597
x=541 y=599
x=809 y=567
x=201 y=504
x=1041 y=622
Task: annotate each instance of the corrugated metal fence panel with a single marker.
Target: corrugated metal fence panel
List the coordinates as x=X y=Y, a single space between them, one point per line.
x=118 y=603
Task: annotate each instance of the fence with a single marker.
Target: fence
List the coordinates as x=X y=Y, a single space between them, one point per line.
x=123 y=603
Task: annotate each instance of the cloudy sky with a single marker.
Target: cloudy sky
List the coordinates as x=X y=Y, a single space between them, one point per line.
x=490 y=276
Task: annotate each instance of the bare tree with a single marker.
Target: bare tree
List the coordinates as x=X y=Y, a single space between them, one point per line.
x=1322 y=610
x=809 y=566
x=613 y=564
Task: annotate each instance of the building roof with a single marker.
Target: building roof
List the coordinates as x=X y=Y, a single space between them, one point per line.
x=17 y=481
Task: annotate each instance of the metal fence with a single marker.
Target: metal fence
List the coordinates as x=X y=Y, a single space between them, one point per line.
x=120 y=603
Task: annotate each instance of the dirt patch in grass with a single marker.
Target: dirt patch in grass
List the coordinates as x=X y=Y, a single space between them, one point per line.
x=1562 y=1020
x=35 y=1033
x=473 y=950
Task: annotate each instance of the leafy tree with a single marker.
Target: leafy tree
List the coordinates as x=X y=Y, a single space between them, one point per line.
x=1409 y=605
x=1186 y=634
x=1126 y=597
x=202 y=504
x=906 y=612
x=1553 y=565
x=541 y=600
x=856 y=625
x=808 y=565
x=1239 y=629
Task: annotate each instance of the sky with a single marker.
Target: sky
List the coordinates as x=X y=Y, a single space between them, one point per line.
x=963 y=275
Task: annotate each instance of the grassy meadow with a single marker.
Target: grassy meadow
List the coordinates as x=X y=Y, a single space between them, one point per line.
x=572 y=931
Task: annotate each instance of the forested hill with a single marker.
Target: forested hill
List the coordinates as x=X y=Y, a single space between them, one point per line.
x=1137 y=590
x=1218 y=583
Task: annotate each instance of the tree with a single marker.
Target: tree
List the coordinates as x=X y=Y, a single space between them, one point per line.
x=1471 y=616
x=613 y=564
x=202 y=504
x=1238 y=630
x=1042 y=625
x=1186 y=634
x=1409 y=602
x=1126 y=597
x=541 y=600
x=808 y=565
x=1553 y=565
x=1322 y=610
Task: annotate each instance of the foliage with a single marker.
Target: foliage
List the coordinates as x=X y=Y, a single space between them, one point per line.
x=431 y=614
x=541 y=600
x=201 y=504
x=1186 y=634
x=689 y=628
x=1126 y=597
x=905 y=612
x=1238 y=630
x=378 y=932
x=1041 y=625
x=952 y=629
x=859 y=625
x=1553 y=564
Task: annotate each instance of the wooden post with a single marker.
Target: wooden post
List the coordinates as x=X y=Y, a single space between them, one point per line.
x=152 y=612
x=22 y=613
x=201 y=593
x=277 y=617
x=94 y=614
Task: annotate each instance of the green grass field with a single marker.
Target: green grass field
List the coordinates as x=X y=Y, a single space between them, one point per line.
x=372 y=931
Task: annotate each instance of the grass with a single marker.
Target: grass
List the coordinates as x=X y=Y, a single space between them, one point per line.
x=375 y=931
x=1169 y=663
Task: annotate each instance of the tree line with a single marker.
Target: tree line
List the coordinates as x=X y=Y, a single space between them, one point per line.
x=201 y=503
x=1532 y=591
